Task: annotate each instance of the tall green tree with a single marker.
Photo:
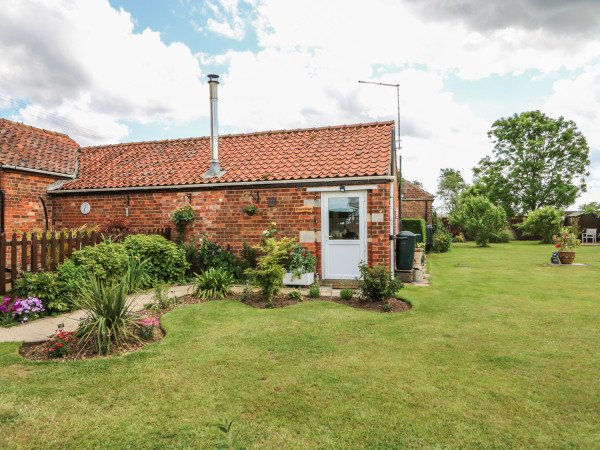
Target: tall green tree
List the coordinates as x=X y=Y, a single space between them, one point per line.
x=450 y=185
x=537 y=161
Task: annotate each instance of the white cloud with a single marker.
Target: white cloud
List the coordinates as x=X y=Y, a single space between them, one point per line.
x=226 y=30
x=577 y=99
x=81 y=61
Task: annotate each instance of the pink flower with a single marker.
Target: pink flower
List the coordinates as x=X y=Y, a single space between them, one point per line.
x=558 y=245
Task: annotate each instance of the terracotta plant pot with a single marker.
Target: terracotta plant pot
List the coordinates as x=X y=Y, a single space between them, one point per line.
x=566 y=257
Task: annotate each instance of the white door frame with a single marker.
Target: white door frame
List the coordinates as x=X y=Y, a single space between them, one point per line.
x=326 y=242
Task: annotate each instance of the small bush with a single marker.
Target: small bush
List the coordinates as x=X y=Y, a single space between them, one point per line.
x=376 y=282
x=146 y=328
x=314 y=291
x=59 y=344
x=270 y=269
x=503 y=237
x=207 y=254
x=296 y=295
x=161 y=299
x=544 y=222
x=166 y=261
x=346 y=294
x=442 y=241
x=46 y=287
x=103 y=260
x=387 y=307
x=213 y=283
x=479 y=218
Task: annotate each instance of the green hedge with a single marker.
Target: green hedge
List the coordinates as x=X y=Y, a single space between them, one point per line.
x=417 y=226
x=166 y=261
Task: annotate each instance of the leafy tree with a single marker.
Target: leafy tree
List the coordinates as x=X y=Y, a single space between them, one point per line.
x=450 y=185
x=537 y=161
x=544 y=222
x=417 y=184
x=591 y=208
x=479 y=218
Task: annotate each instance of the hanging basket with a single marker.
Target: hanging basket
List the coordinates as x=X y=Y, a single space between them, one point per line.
x=250 y=209
x=566 y=257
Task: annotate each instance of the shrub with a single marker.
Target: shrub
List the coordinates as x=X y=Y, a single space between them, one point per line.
x=114 y=224
x=314 y=291
x=46 y=287
x=503 y=236
x=296 y=295
x=479 y=218
x=213 y=283
x=59 y=344
x=103 y=260
x=209 y=254
x=166 y=261
x=146 y=328
x=301 y=262
x=346 y=294
x=544 y=222
x=270 y=268
x=376 y=282
x=387 y=307
x=161 y=299
x=417 y=226
x=442 y=241
x=108 y=314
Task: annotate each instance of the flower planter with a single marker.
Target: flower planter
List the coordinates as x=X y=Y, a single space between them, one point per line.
x=566 y=257
x=306 y=279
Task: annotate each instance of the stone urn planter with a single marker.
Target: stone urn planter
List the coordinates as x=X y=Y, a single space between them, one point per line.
x=418 y=257
x=305 y=279
x=566 y=257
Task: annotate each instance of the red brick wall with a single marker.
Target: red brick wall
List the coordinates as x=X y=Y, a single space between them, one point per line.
x=413 y=205
x=23 y=209
x=219 y=214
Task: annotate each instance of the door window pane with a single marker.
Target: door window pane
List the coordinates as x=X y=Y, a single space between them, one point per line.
x=343 y=218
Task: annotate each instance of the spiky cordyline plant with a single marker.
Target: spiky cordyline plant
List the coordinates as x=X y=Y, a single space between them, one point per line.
x=108 y=312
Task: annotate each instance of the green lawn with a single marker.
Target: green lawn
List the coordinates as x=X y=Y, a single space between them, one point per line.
x=503 y=353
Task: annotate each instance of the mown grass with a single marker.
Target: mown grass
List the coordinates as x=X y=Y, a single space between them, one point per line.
x=503 y=353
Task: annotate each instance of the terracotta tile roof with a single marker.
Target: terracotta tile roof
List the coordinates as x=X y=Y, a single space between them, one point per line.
x=343 y=151
x=34 y=148
x=410 y=190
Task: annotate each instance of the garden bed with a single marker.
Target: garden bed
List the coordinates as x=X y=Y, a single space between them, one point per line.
x=35 y=350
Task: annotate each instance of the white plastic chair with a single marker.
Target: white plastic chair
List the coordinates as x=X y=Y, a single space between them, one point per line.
x=590 y=233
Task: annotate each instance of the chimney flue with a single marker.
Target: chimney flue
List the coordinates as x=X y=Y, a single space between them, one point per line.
x=215 y=166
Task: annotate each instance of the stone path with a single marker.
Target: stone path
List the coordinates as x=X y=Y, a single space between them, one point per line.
x=39 y=330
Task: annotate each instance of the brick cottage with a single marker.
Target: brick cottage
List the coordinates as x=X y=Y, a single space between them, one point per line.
x=30 y=160
x=333 y=189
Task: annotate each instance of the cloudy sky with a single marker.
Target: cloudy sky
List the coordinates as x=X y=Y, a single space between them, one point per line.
x=107 y=71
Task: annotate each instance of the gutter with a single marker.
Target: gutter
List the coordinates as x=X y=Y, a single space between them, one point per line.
x=44 y=172
x=255 y=184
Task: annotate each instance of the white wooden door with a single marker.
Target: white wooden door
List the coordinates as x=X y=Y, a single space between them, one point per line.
x=343 y=233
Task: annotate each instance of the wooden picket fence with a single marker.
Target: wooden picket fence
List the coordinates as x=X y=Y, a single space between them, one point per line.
x=20 y=254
